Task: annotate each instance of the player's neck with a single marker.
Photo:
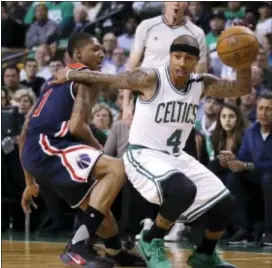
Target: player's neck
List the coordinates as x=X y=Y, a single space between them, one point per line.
x=179 y=83
x=172 y=21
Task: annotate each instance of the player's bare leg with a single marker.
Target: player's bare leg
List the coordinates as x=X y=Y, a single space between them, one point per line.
x=179 y=194
x=110 y=174
x=216 y=221
x=98 y=218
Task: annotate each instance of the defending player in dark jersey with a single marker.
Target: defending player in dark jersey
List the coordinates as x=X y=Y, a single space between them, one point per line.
x=58 y=148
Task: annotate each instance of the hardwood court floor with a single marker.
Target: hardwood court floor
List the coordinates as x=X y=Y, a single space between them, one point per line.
x=20 y=254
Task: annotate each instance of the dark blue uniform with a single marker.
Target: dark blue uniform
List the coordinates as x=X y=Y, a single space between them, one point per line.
x=51 y=153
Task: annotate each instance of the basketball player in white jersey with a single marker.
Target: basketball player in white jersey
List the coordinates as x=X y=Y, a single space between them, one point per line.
x=155 y=163
x=153 y=38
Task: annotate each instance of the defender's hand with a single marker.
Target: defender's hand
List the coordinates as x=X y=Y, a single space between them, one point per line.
x=60 y=77
x=27 y=201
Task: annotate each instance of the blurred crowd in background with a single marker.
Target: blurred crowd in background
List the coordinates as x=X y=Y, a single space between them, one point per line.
x=34 y=38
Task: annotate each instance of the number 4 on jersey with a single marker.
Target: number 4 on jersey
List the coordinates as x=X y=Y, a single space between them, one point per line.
x=174 y=140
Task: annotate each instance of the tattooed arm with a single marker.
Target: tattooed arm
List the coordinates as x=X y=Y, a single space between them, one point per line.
x=78 y=124
x=140 y=79
x=223 y=88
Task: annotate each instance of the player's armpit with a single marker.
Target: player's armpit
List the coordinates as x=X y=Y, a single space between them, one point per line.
x=79 y=121
x=223 y=88
x=138 y=80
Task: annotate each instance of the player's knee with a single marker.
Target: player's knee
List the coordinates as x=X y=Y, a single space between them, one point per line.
x=221 y=214
x=179 y=195
x=118 y=170
x=180 y=188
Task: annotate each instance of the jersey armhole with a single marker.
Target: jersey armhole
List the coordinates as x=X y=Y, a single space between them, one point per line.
x=73 y=90
x=158 y=86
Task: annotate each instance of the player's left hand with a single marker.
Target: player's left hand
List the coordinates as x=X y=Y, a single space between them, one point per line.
x=60 y=77
x=236 y=166
x=30 y=191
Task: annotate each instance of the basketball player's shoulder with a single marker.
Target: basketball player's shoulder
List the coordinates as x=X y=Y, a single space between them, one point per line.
x=193 y=28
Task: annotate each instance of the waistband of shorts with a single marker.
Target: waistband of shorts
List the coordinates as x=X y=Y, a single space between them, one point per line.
x=137 y=147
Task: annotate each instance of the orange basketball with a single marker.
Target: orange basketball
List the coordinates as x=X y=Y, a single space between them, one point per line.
x=237 y=47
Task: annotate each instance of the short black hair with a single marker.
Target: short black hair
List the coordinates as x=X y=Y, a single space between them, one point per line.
x=29 y=60
x=12 y=67
x=186 y=40
x=265 y=94
x=78 y=40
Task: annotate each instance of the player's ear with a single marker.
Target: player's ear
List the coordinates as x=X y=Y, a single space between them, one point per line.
x=78 y=53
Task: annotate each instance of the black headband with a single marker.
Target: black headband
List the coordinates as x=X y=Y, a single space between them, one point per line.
x=185 y=48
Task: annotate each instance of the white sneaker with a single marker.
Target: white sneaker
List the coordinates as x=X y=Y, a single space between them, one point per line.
x=147 y=224
x=175 y=233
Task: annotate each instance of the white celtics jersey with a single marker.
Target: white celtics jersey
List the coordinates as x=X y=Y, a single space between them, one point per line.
x=165 y=122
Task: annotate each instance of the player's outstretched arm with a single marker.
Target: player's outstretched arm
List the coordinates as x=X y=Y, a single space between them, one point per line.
x=139 y=79
x=224 y=88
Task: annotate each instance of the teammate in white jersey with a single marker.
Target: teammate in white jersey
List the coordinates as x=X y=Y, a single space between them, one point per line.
x=155 y=162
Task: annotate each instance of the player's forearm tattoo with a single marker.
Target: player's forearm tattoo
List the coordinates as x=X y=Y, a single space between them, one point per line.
x=223 y=88
x=136 y=79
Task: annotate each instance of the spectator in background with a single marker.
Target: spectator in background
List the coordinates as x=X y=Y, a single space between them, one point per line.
x=109 y=44
x=78 y=23
x=4 y=98
x=42 y=56
x=217 y=24
x=233 y=12
x=265 y=21
x=24 y=99
x=102 y=117
x=13 y=34
x=11 y=80
x=126 y=40
x=43 y=30
x=248 y=106
x=94 y=9
x=200 y=17
x=256 y=158
x=32 y=80
x=227 y=137
x=118 y=62
x=257 y=78
x=61 y=12
x=17 y=10
x=55 y=64
x=206 y=125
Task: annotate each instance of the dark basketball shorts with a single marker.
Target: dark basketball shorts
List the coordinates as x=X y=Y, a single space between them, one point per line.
x=65 y=166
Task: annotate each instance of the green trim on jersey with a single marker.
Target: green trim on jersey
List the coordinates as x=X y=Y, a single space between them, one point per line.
x=156 y=91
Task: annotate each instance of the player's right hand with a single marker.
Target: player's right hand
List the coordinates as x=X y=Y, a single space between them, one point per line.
x=60 y=77
x=30 y=191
